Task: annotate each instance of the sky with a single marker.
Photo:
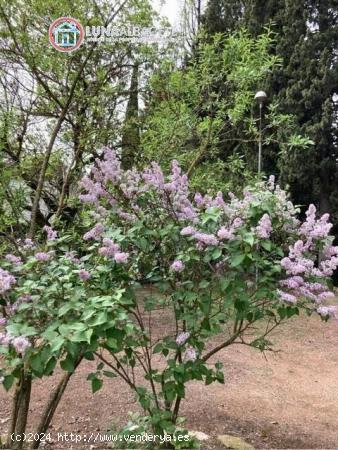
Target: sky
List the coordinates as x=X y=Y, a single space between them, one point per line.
x=169 y=8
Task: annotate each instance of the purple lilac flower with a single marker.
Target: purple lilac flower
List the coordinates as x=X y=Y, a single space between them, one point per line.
x=110 y=167
x=177 y=266
x=190 y=354
x=71 y=256
x=238 y=222
x=121 y=257
x=187 y=212
x=110 y=248
x=304 y=292
x=182 y=338
x=3 y=321
x=16 y=260
x=94 y=233
x=6 y=281
x=328 y=266
x=264 y=227
x=94 y=190
x=224 y=233
x=297 y=249
x=126 y=216
x=5 y=338
x=199 y=200
x=153 y=176
x=51 y=234
x=297 y=267
x=188 y=231
x=330 y=251
x=84 y=275
x=325 y=295
x=28 y=244
x=208 y=239
x=288 y=298
x=328 y=311
x=42 y=256
x=21 y=344
x=315 y=287
x=313 y=228
x=292 y=283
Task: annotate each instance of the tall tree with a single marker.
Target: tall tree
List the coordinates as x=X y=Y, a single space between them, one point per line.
x=131 y=131
x=306 y=85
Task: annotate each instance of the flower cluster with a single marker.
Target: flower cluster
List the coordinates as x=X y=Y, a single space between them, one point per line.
x=306 y=276
x=264 y=227
x=113 y=250
x=51 y=234
x=6 y=281
x=43 y=256
x=190 y=354
x=177 y=266
x=84 y=274
x=72 y=257
x=20 y=343
x=182 y=338
x=15 y=260
x=174 y=195
x=94 y=233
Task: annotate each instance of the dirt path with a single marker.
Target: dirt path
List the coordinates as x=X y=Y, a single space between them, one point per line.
x=287 y=400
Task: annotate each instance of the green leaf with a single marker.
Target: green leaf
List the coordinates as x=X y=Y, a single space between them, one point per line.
x=96 y=384
x=216 y=253
x=50 y=366
x=249 y=239
x=36 y=363
x=237 y=260
x=204 y=284
x=8 y=382
x=68 y=364
x=109 y=374
x=266 y=245
x=158 y=348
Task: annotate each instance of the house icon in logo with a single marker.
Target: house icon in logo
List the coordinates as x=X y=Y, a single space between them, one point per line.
x=66 y=34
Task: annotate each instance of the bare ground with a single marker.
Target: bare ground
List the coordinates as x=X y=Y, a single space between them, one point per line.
x=285 y=400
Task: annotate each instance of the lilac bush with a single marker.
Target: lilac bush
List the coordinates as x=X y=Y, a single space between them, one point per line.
x=209 y=262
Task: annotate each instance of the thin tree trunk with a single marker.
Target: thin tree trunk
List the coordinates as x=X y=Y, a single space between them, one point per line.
x=22 y=414
x=14 y=414
x=51 y=406
x=43 y=171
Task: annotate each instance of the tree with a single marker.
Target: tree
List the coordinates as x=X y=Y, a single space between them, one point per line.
x=131 y=131
x=305 y=85
x=74 y=100
x=202 y=115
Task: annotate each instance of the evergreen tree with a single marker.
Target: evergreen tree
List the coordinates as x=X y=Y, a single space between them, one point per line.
x=306 y=85
x=222 y=16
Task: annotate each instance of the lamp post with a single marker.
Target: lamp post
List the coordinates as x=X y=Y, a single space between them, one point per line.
x=261 y=98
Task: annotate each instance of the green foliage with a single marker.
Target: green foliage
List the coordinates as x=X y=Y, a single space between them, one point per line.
x=202 y=114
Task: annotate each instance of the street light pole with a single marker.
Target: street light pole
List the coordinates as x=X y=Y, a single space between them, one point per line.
x=261 y=98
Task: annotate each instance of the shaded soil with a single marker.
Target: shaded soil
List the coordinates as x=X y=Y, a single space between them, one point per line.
x=286 y=399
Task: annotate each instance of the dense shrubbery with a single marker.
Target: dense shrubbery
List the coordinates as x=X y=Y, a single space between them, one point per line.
x=216 y=267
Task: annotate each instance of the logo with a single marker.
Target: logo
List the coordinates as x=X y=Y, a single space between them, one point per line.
x=66 y=34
